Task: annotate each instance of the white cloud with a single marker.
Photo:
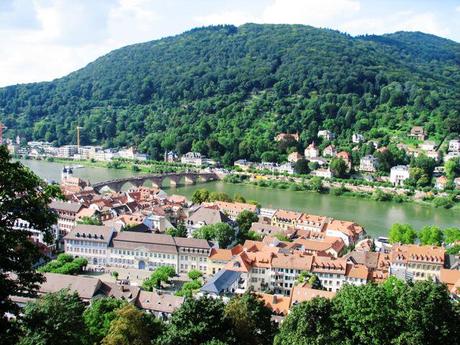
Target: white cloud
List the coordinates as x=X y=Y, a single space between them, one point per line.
x=312 y=12
x=69 y=35
x=402 y=21
x=227 y=17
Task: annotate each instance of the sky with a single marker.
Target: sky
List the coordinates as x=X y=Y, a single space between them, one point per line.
x=46 y=39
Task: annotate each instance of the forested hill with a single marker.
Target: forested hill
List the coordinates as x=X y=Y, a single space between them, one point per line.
x=227 y=91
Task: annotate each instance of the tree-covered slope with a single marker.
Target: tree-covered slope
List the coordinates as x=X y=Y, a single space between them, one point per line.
x=226 y=91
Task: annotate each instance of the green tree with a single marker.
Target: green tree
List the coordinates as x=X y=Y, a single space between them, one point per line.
x=301 y=167
x=55 y=318
x=251 y=320
x=98 y=317
x=195 y=274
x=200 y=195
x=338 y=167
x=219 y=196
x=198 y=321
x=132 y=327
x=90 y=221
x=316 y=184
x=309 y=323
x=244 y=221
x=402 y=233
x=23 y=196
x=452 y=235
x=179 y=231
x=223 y=233
x=160 y=275
x=452 y=168
x=355 y=306
x=429 y=316
x=431 y=235
x=65 y=264
x=188 y=288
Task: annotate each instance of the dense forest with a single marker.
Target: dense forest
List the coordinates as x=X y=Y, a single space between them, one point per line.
x=226 y=91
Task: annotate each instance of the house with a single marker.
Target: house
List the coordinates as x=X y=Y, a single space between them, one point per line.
x=192 y=158
x=310 y=222
x=243 y=164
x=85 y=287
x=346 y=157
x=331 y=272
x=417 y=132
x=160 y=304
x=219 y=257
x=454 y=145
x=223 y=282
x=233 y=209
x=457 y=182
x=452 y=280
x=325 y=173
x=416 y=262
x=287 y=136
x=90 y=242
x=285 y=219
x=330 y=151
x=171 y=157
x=205 y=216
x=193 y=254
x=311 y=151
x=325 y=134
x=349 y=232
x=304 y=293
x=451 y=155
x=357 y=138
x=278 y=304
x=286 y=168
x=294 y=157
x=67 y=213
x=441 y=182
x=398 y=174
x=264 y=229
x=368 y=164
x=329 y=245
x=428 y=145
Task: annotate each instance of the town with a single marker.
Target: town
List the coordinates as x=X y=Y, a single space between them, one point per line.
x=364 y=160
x=285 y=257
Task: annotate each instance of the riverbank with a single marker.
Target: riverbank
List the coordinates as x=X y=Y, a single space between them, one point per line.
x=314 y=184
x=147 y=167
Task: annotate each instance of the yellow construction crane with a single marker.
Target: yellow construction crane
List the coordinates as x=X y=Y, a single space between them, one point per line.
x=78 y=138
x=2 y=127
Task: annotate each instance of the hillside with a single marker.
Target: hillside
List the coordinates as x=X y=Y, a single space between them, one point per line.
x=227 y=91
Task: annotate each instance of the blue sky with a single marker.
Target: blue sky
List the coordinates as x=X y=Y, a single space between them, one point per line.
x=46 y=39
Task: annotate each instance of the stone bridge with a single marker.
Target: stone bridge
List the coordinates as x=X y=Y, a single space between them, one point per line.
x=175 y=179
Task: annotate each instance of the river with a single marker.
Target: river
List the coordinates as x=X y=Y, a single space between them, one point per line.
x=376 y=217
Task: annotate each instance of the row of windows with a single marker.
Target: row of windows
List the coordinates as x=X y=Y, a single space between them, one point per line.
x=86 y=243
x=185 y=267
x=195 y=251
x=200 y=259
x=144 y=254
x=88 y=250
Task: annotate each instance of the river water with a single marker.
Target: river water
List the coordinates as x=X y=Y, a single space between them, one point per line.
x=376 y=217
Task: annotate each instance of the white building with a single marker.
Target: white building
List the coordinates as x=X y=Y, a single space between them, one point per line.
x=195 y=158
x=287 y=168
x=368 y=164
x=357 y=138
x=311 y=151
x=90 y=242
x=67 y=151
x=399 y=174
x=428 y=145
x=326 y=134
x=454 y=145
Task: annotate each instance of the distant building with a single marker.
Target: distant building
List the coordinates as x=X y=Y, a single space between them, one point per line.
x=417 y=132
x=326 y=134
x=454 y=145
x=196 y=159
x=287 y=136
x=286 y=168
x=399 y=174
x=67 y=213
x=330 y=151
x=368 y=164
x=294 y=157
x=441 y=182
x=326 y=173
x=67 y=151
x=346 y=157
x=357 y=138
x=171 y=156
x=311 y=151
x=243 y=164
x=428 y=145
